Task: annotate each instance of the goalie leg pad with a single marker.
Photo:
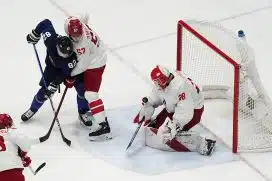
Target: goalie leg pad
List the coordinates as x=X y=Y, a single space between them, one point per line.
x=185 y=141
x=153 y=140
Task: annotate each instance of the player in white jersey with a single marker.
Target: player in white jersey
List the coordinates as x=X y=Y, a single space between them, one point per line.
x=13 y=151
x=183 y=107
x=91 y=54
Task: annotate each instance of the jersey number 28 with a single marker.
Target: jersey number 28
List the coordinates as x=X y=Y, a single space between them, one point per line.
x=2 y=144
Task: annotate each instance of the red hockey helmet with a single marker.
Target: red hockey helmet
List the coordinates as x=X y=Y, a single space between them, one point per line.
x=75 y=28
x=160 y=76
x=5 y=121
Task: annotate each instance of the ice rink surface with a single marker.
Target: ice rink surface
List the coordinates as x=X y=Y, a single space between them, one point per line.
x=139 y=35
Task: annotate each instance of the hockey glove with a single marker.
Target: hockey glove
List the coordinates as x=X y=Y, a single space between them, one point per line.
x=26 y=160
x=33 y=37
x=168 y=130
x=51 y=89
x=69 y=82
x=145 y=113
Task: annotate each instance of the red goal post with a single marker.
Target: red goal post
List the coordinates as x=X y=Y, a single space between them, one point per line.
x=181 y=41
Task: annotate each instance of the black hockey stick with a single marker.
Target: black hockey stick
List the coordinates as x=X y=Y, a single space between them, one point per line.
x=134 y=135
x=38 y=169
x=44 y=138
x=145 y=100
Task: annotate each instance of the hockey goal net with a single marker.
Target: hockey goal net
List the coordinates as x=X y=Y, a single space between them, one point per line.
x=237 y=108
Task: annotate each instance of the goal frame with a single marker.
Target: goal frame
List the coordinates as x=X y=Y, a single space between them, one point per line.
x=236 y=67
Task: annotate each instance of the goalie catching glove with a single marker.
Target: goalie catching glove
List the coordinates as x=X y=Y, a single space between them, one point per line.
x=168 y=130
x=145 y=113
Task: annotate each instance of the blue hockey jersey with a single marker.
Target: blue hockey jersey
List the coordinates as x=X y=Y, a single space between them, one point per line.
x=58 y=68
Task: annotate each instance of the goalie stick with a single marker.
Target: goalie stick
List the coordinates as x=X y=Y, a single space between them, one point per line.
x=135 y=133
x=45 y=137
x=38 y=169
x=145 y=100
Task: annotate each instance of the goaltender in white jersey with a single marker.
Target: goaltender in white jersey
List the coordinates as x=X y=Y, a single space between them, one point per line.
x=183 y=107
x=91 y=54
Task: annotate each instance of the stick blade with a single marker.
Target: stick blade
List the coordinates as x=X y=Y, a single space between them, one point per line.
x=40 y=167
x=128 y=146
x=68 y=142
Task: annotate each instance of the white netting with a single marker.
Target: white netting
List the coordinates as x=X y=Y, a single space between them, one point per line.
x=213 y=72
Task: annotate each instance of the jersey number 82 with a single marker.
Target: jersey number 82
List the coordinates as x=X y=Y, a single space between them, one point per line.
x=72 y=64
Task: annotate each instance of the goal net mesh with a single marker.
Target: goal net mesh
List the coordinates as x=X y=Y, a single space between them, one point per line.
x=223 y=65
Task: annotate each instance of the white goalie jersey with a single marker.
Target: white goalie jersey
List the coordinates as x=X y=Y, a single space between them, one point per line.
x=10 y=141
x=181 y=97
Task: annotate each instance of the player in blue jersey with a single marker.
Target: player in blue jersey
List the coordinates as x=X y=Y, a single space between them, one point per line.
x=60 y=61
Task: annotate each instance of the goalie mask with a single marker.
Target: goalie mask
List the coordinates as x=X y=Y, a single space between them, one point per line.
x=161 y=76
x=5 y=121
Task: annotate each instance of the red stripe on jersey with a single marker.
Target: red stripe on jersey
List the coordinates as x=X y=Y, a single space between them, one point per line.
x=177 y=146
x=95 y=103
x=174 y=144
x=97 y=110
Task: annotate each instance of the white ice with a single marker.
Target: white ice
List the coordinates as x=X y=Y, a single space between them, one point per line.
x=139 y=34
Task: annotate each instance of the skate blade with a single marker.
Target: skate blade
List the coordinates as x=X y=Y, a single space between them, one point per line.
x=103 y=137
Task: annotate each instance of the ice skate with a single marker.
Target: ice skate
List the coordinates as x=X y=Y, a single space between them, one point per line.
x=86 y=120
x=27 y=115
x=101 y=132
